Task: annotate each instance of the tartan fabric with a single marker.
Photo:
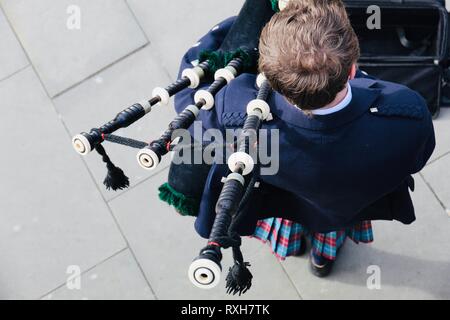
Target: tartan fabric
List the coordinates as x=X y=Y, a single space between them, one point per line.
x=285 y=237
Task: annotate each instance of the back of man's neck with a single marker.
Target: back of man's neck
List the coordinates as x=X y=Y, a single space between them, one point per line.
x=339 y=98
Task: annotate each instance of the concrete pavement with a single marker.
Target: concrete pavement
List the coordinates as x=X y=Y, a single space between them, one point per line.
x=56 y=218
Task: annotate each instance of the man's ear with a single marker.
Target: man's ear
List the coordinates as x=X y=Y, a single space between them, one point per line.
x=352 y=72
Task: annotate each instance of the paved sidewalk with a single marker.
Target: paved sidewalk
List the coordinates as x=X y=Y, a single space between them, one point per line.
x=56 y=215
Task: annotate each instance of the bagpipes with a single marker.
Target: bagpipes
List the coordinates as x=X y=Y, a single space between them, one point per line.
x=238 y=53
x=205 y=271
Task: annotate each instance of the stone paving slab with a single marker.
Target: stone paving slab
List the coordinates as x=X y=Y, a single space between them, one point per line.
x=98 y=100
x=52 y=214
x=413 y=260
x=12 y=56
x=173 y=26
x=437 y=174
x=442 y=129
x=117 y=278
x=62 y=56
x=165 y=244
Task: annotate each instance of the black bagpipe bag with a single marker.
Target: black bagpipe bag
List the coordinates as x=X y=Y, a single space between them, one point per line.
x=237 y=37
x=410 y=47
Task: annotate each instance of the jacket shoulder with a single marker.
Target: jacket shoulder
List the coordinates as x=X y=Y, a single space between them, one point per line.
x=211 y=41
x=233 y=100
x=396 y=100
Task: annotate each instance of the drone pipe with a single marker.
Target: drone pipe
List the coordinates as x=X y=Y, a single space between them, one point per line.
x=150 y=157
x=205 y=270
x=84 y=142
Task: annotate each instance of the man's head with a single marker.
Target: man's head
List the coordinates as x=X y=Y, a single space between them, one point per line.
x=308 y=52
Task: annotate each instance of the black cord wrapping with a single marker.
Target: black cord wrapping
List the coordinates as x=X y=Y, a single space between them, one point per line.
x=226 y=207
x=132 y=114
x=177 y=86
x=237 y=64
x=185 y=119
x=132 y=143
x=115 y=178
x=218 y=84
x=239 y=278
x=138 y=144
x=237 y=219
x=184 y=82
x=249 y=134
x=229 y=213
x=123 y=119
x=181 y=121
x=264 y=91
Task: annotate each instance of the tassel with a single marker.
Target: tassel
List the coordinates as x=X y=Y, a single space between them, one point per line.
x=219 y=59
x=239 y=278
x=115 y=178
x=275 y=5
x=184 y=205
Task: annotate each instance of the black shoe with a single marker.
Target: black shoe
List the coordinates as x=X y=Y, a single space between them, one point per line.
x=303 y=247
x=320 y=267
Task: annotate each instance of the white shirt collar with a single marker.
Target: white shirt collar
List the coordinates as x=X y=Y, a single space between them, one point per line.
x=341 y=105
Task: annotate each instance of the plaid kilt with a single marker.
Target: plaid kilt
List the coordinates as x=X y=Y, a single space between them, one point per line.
x=285 y=237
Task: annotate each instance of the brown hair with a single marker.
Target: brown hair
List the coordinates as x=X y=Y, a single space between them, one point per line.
x=307 y=51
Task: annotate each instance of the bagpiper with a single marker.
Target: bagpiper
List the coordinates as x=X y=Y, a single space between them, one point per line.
x=348 y=143
x=343 y=145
